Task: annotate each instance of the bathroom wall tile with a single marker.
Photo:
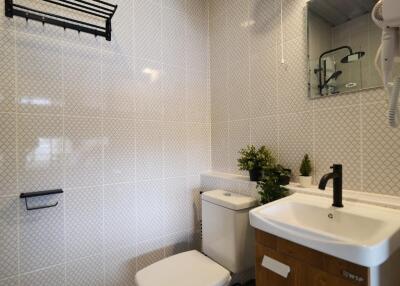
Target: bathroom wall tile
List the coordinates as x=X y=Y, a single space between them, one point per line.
x=239 y=89
x=174 y=93
x=294 y=19
x=150 y=210
x=149 y=252
x=149 y=100
x=9 y=282
x=176 y=205
x=218 y=41
x=219 y=146
x=373 y=95
x=197 y=43
x=292 y=78
x=239 y=137
x=263 y=83
x=119 y=85
x=381 y=155
x=238 y=28
x=120 y=269
x=337 y=101
x=83 y=151
x=198 y=8
x=264 y=131
x=176 y=243
x=194 y=187
x=83 y=222
x=54 y=276
x=119 y=216
x=8 y=243
x=36 y=28
x=173 y=38
x=179 y=5
x=41 y=235
x=295 y=140
x=264 y=24
x=8 y=168
x=217 y=8
x=197 y=97
x=7 y=70
x=39 y=73
x=40 y=153
x=119 y=150
x=81 y=39
x=219 y=94
x=174 y=150
x=149 y=155
x=85 y=272
x=199 y=145
x=82 y=81
x=338 y=140
x=147 y=29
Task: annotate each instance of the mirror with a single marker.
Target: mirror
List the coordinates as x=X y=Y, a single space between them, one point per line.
x=342 y=44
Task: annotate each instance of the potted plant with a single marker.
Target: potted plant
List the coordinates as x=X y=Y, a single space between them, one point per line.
x=305 y=172
x=270 y=188
x=255 y=161
x=284 y=175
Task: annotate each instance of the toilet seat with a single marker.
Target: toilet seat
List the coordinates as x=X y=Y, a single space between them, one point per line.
x=190 y=268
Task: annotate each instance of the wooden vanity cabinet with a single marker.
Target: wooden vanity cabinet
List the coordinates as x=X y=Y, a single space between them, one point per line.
x=307 y=266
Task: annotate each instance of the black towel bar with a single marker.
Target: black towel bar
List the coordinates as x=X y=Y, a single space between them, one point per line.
x=26 y=196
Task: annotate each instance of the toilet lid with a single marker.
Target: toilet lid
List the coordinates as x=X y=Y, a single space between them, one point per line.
x=187 y=268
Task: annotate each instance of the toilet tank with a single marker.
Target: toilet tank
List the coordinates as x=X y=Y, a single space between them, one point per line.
x=228 y=237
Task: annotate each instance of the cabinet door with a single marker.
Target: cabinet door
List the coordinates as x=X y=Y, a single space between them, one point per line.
x=266 y=277
x=315 y=277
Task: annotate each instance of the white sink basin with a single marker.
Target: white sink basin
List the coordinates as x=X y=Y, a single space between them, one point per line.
x=360 y=233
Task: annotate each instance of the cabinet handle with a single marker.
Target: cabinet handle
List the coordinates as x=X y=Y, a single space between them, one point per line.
x=275 y=266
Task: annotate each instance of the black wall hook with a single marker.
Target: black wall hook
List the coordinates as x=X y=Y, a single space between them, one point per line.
x=26 y=196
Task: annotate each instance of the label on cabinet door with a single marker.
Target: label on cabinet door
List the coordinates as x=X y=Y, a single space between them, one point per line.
x=276 y=266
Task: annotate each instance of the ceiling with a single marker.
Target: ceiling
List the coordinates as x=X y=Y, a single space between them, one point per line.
x=337 y=12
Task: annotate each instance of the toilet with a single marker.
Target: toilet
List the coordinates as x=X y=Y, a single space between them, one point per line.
x=228 y=246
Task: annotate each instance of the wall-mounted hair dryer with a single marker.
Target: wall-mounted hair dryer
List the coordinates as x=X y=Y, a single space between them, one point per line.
x=386 y=14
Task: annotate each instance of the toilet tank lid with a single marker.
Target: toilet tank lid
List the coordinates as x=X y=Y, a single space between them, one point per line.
x=229 y=200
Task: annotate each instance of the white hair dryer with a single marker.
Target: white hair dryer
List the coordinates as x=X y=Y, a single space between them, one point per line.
x=386 y=14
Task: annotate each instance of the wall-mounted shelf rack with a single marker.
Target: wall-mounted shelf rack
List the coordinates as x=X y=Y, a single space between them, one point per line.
x=97 y=9
x=26 y=196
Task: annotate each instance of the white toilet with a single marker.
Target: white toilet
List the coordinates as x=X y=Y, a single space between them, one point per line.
x=228 y=245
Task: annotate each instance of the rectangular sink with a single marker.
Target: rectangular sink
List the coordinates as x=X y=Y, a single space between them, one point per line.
x=360 y=233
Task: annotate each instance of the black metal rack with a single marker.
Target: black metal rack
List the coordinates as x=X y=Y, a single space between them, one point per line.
x=97 y=8
x=26 y=196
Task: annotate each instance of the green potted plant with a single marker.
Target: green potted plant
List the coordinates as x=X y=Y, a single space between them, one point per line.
x=305 y=172
x=284 y=175
x=270 y=188
x=255 y=161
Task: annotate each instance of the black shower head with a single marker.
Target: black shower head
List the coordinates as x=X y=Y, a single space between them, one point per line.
x=352 y=57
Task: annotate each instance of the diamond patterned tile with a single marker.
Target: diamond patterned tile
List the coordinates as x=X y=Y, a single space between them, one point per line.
x=8 y=243
x=197 y=43
x=338 y=139
x=85 y=272
x=9 y=282
x=294 y=19
x=199 y=148
x=174 y=150
x=8 y=168
x=148 y=253
x=174 y=93
x=82 y=81
x=149 y=150
x=173 y=38
x=217 y=8
x=194 y=187
x=41 y=235
x=54 y=276
x=119 y=216
x=119 y=85
x=150 y=210
x=147 y=29
x=39 y=74
x=7 y=70
x=295 y=140
x=381 y=151
x=176 y=205
x=119 y=151
x=176 y=243
x=149 y=100
x=120 y=267
x=40 y=153
x=83 y=151
x=239 y=89
x=179 y=5
x=83 y=222
x=198 y=102
x=198 y=8
x=239 y=137
x=219 y=146
x=264 y=131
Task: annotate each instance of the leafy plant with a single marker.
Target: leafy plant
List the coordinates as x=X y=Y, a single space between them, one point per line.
x=305 y=168
x=253 y=158
x=270 y=188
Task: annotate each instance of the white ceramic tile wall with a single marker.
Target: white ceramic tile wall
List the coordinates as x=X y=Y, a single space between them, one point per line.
x=122 y=126
x=257 y=99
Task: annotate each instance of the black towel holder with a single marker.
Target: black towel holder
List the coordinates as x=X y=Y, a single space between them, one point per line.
x=97 y=8
x=26 y=196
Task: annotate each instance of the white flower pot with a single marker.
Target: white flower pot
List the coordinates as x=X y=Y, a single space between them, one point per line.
x=305 y=181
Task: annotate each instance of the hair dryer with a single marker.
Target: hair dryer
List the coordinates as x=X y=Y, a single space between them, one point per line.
x=386 y=14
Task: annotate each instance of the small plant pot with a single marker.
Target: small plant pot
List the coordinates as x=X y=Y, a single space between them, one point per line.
x=284 y=180
x=305 y=181
x=255 y=175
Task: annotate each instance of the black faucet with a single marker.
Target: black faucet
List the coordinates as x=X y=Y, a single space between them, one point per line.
x=336 y=175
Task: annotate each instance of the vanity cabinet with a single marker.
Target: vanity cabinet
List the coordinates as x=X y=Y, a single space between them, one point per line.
x=307 y=266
